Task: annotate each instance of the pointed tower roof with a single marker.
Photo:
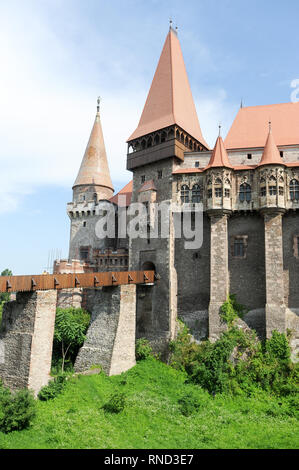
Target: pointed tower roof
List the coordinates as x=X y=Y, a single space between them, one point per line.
x=271 y=155
x=219 y=157
x=94 y=168
x=170 y=99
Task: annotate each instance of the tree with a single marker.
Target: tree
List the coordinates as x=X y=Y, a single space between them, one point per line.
x=5 y=296
x=71 y=325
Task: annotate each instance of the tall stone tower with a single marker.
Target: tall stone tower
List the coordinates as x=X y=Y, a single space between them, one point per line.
x=168 y=127
x=93 y=184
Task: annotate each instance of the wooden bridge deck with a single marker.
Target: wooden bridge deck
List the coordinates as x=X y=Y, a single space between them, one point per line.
x=69 y=281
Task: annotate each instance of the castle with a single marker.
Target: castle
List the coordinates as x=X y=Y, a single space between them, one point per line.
x=249 y=187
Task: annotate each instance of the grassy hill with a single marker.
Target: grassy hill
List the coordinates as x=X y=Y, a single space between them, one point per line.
x=152 y=418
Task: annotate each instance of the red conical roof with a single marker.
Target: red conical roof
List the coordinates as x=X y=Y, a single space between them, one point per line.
x=94 y=167
x=219 y=157
x=170 y=99
x=271 y=155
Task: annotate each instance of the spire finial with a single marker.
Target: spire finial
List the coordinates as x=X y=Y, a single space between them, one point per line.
x=241 y=105
x=270 y=126
x=176 y=29
x=170 y=23
x=219 y=130
x=98 y=106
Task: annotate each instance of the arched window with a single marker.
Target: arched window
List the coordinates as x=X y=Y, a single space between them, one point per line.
x=245 y=192
x=149 y=142
x=157 y=139
x=196 y=193
x=294 y=190
x=185 y=193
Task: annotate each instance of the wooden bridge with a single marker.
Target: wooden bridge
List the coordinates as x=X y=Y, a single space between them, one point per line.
x=70 y=281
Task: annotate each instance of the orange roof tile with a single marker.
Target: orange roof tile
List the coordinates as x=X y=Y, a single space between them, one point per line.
x=250 y=126
x=187 y=170
x=170 y=98
x=271 y=155
x=126 y=191
x=148 y=186
x=94 y=167
x=219 y=156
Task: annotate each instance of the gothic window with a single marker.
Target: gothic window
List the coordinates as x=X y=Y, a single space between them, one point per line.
x=196 y=193
x=263 y=191
x=149 y=142
x=218 y=192
x=294 y=190
x=143 y=144
x=177 y=135
x=185 y=193
x=157 y=139
x=281 y=191
x=210 y=193
x=239 y=246
x=245 y=192
x=227 y=193
x=272 y=190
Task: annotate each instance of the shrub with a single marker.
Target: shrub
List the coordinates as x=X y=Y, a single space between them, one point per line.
x=278 y=346
x=16 y=410
x=116 y=403
x=189 y=404
x=231 y=310
x=143 y=349
x=53 y=389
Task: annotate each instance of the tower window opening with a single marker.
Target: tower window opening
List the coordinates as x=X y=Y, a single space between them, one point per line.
x=84 y=253
x=281 y=154
x=294 y=190
x=249 y=156
x=218 y=192
x=160 y=174
x=143 y=179
x=196 y=164
x=185 y=193
x=239 y=246
x=272 y=190
x=84 y=224
x=245 y=192
x=196 y=196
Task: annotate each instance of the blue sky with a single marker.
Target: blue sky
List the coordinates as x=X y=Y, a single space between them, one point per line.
x=57 y=56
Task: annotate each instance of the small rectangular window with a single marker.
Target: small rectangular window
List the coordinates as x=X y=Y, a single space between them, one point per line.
x=249 y=156
x=239 y=246
x=218 y=192
x=227 y=193
x=143 y=179
x=160 y=174
x=263 y=191
x=272 y=190
x=210 y=194
x=281 y=191
x=196 y=164
x=281 y=154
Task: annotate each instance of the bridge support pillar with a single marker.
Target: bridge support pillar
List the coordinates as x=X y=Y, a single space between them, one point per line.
x=26 y=340
x=110 y=340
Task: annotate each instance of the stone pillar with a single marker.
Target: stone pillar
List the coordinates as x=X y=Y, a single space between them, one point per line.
x=219 y=277
x=110 y=338
x=27 y=339
x=275 y=305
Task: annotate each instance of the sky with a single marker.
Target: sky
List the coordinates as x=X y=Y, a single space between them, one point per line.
x=58 y=56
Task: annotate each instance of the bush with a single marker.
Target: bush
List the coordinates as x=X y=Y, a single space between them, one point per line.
x=278 y=347
x=16 y=410
x=143 y=349
x=53 y=389
x=116 y=404
x=231 y=310
x=189 y=404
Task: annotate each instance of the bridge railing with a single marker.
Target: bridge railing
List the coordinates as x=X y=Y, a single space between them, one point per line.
x=69 y=281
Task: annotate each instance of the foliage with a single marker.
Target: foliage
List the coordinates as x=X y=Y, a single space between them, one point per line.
x=53 y=389
x=16 y=410
x=116 y=403
x=189 y=404
x=152 y=418
x=4 y=296
x=71 y=325
x=143 y=349
x=237 y=363
x=231 y=310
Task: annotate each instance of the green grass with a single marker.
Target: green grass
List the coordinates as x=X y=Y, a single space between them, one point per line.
x=152 y=417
